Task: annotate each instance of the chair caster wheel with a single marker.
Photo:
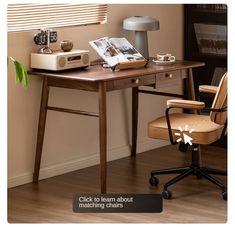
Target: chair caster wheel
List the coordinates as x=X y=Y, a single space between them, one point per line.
x=166 y=194
x=224 y=194
x=153 y=181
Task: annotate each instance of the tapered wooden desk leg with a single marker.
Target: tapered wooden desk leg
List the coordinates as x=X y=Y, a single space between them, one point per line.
x=135 y=102
x=191 y=85
x=41 y=129
x=191 y=89
x=103 y=136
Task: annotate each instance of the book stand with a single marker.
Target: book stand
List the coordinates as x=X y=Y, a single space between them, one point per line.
x=130 y=64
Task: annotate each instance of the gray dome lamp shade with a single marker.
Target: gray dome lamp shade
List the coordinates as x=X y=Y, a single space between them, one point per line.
x=141 y=24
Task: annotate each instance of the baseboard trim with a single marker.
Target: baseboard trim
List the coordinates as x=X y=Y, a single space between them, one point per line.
x=69 y=166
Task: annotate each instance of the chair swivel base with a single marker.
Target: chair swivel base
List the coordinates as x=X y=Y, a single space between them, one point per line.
x=194 y=169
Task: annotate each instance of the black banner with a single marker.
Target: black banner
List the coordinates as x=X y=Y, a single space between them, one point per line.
x=117 y=203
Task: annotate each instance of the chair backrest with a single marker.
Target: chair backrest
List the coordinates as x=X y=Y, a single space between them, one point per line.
x=220 y=101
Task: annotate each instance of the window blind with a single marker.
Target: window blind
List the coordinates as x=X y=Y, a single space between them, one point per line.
x=22 y=17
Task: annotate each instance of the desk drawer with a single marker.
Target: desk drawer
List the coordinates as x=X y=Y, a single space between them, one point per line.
x=169 y=78
x=133 y=82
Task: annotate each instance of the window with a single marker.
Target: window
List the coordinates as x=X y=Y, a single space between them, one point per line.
x=22 y=17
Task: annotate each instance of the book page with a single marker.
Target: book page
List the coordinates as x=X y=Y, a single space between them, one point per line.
x=115 y=50
x=128 y=51
x=106 y=50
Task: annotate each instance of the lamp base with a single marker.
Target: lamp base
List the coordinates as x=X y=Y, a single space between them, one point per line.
x=141 y=43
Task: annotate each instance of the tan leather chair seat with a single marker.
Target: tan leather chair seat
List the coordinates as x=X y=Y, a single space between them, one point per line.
x=205 y=131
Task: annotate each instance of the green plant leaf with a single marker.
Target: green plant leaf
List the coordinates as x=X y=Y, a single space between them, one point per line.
x=21 y=74
x=25 y=79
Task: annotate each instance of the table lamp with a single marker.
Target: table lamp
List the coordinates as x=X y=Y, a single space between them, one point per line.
x=141 y=24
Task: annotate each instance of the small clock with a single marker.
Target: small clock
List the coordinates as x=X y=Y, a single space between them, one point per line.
x=41 y=37
x=44 y=38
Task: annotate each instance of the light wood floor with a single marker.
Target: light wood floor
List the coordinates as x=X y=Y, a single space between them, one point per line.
x=194 y=200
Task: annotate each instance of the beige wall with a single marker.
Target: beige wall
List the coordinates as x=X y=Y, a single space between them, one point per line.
x=71 y=142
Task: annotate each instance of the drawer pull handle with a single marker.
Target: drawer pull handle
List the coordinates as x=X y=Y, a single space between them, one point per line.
x=136 y=81
x=169 y=75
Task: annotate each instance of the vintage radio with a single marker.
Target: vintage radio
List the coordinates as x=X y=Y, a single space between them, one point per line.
x=60 y=60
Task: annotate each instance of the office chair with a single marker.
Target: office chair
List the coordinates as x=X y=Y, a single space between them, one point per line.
x=202 y=129
x=203 y=90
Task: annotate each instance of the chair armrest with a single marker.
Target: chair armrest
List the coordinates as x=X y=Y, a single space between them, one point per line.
x=186 y=104
x=180 y=103
x=208 y=89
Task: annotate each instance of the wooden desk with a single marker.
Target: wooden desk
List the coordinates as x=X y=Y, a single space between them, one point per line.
x=101 y=80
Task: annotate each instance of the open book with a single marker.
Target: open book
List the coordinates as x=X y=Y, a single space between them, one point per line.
x=116 y=51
